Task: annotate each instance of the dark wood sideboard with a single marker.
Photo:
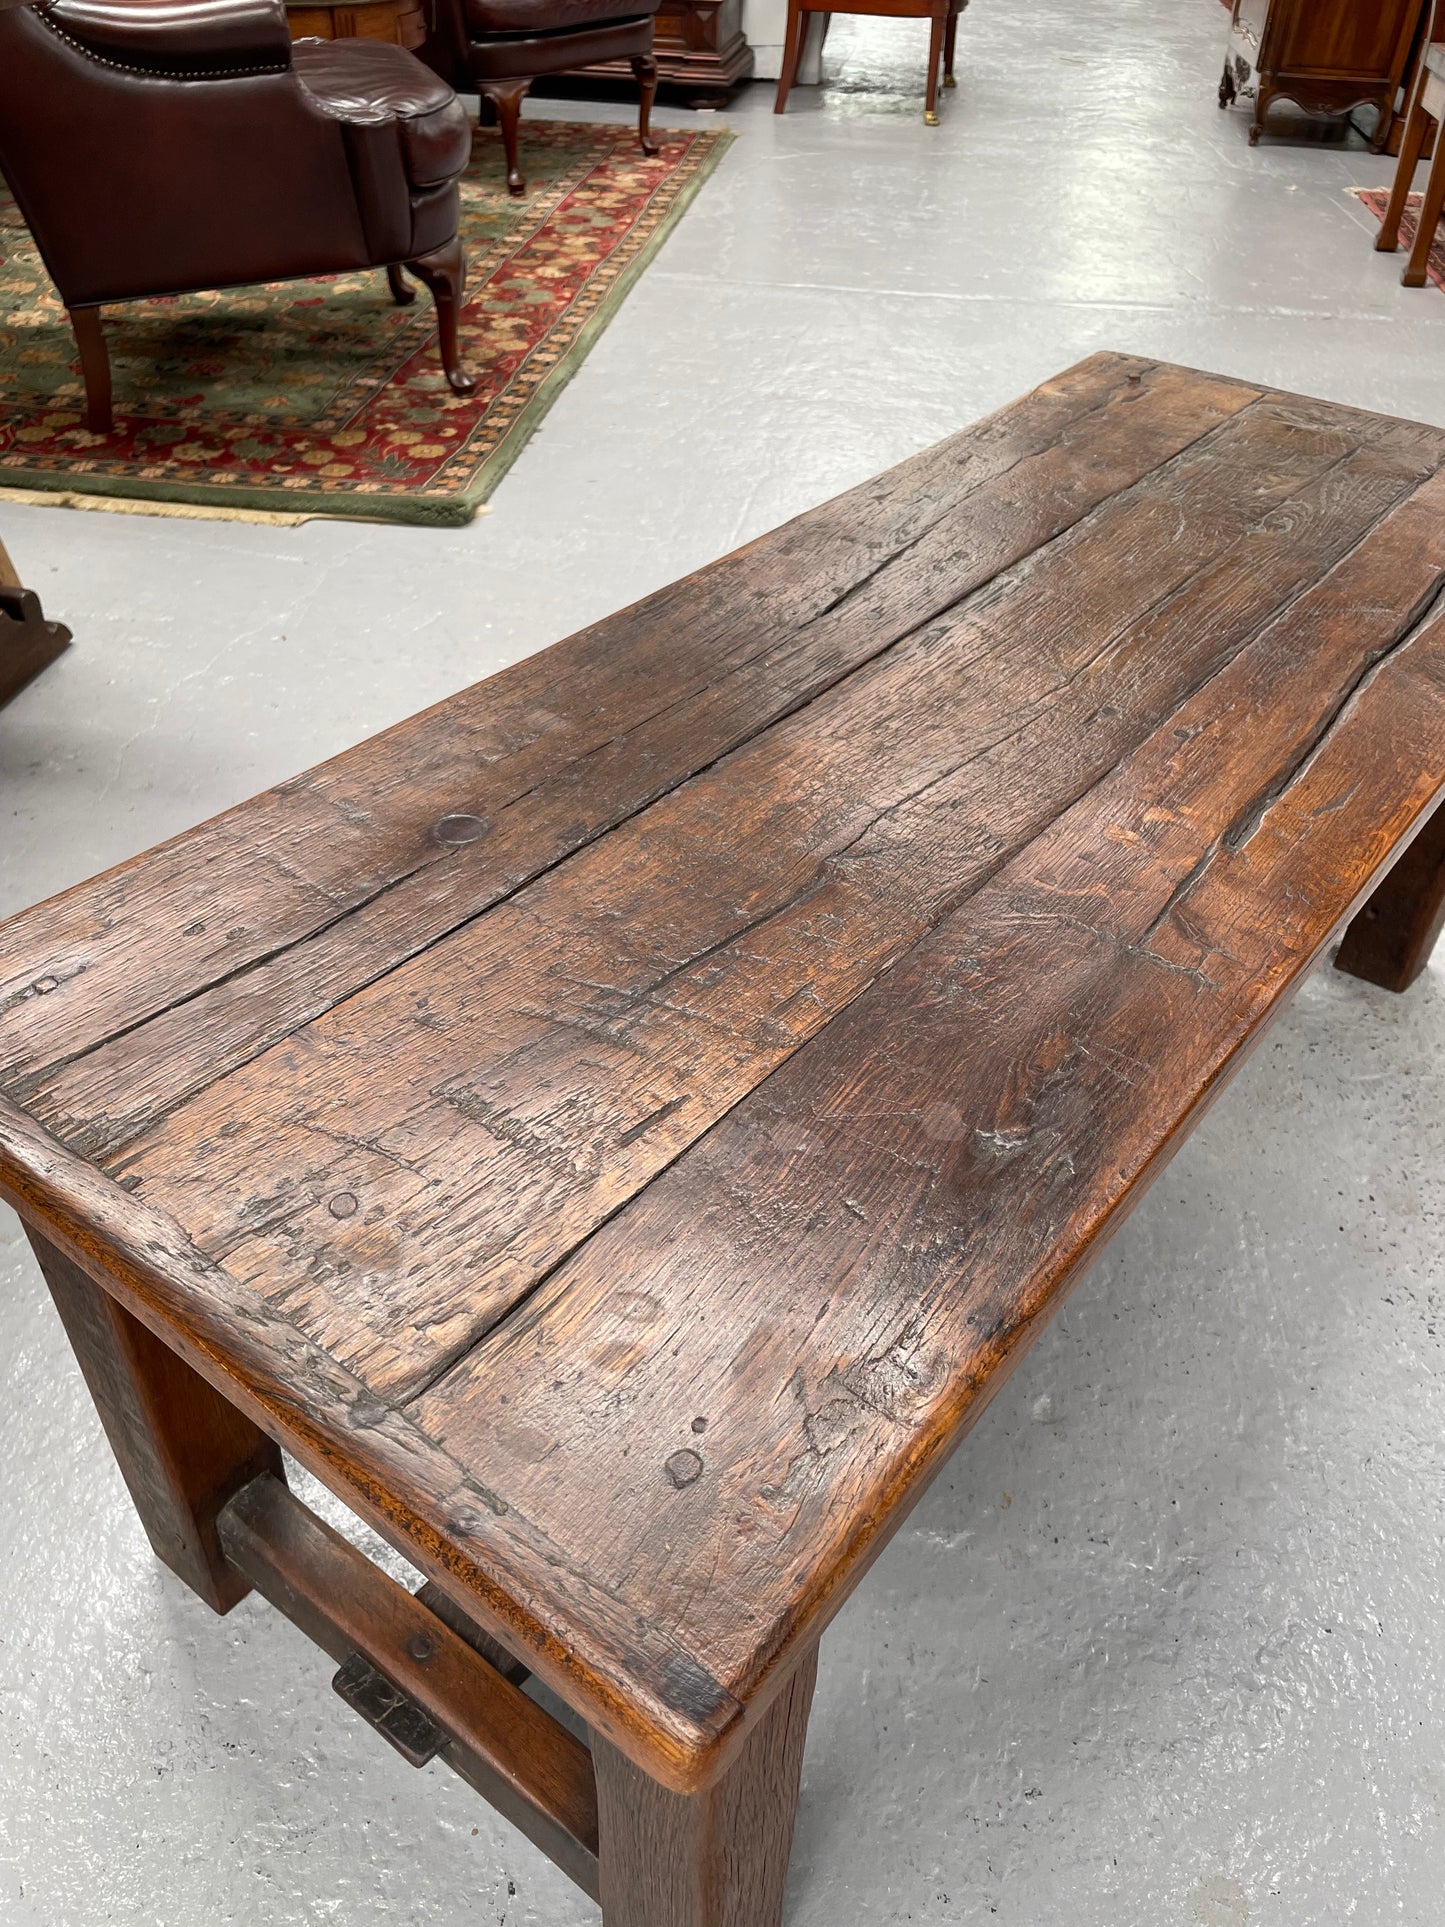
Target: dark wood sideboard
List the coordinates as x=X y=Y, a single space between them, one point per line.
x=402 y=22
x=700 y=48
x=1327 y=56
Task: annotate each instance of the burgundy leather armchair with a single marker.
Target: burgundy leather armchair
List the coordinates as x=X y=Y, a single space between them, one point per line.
x=162 y=146
x=501 y=46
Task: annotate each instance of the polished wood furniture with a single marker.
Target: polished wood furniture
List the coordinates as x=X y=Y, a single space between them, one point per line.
x=28 y=643
x=943 y=36
x=1422 y=124
x=403 y=23
x=501 y=47
x=257 y=158
x=699 y=47
x=1328 y=56
x=620 y=1127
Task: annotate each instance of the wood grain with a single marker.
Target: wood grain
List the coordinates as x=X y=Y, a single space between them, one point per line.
x=718 y=1858
x=626 y=1210
x=553 y=751
x=640 y=1686
x=182 y=1450
x=528 y=1766
x=537 y=1068
x=888 y=1218
x=1390 y=941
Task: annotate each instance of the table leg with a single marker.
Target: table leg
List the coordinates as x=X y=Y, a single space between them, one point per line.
x=1390 y=940
x=713 y=1859
x=182 y=1449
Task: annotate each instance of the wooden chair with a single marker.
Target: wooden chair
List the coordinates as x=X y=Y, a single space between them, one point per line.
x=943 y=13
x=1427 y=111
x=499 y=47
x=157 y=149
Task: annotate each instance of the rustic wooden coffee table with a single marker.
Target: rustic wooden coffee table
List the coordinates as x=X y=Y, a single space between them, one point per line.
x=620 y=1127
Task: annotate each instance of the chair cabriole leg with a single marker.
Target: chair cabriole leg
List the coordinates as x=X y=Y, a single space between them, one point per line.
x=1391 y=938
x=402 y=292
x=645 y=68
x=183 y=1450
x=713 y=1859
x=507 y=97
x=445 y=272
x=94 y=368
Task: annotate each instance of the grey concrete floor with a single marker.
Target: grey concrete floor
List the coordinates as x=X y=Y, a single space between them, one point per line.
x=1164 y=1644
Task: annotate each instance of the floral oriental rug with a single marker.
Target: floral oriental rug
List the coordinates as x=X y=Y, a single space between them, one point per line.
x=323 y=397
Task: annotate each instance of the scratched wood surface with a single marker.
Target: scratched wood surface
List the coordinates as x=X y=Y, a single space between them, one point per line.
x=621 y=1125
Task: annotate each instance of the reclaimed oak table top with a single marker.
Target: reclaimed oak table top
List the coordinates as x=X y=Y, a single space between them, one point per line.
x=620 y=1126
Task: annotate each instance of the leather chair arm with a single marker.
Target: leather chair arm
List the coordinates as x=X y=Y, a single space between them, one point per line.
x=194 y=39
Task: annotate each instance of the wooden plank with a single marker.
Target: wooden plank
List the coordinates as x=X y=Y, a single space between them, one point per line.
x=513 y=1752
x=338 y=875
x=660 y=1474
x=640 y=1687
x=528 y=1075
x=815 y=1302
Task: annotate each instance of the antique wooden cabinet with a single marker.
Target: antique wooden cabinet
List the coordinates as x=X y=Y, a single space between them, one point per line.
x=1328 y=56
x=700 y=48
x=403 y=22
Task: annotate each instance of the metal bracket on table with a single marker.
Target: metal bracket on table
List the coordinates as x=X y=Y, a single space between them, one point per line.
x=416 y=1667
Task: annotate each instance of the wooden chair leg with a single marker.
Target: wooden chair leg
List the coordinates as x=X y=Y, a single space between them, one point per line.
x=507 y=97
x=795 y=38
x=1417 y=269
x=950 y=43
x=444 y=271
x=402 y=292
x=1417 y=127
x=1390 y=940
x=714 y=1859
x=645 y=68
x=94 y=368
x=183 y=1450
x=937 y=27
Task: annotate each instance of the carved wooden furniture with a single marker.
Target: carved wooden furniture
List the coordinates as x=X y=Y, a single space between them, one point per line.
x=1328 y=56
x=699 y=46
x=501 y=46
x=402 y=23
x=1422 y=124
x=619 y=1127
x=28 y=643
x=254 y=160
x=942 y=40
